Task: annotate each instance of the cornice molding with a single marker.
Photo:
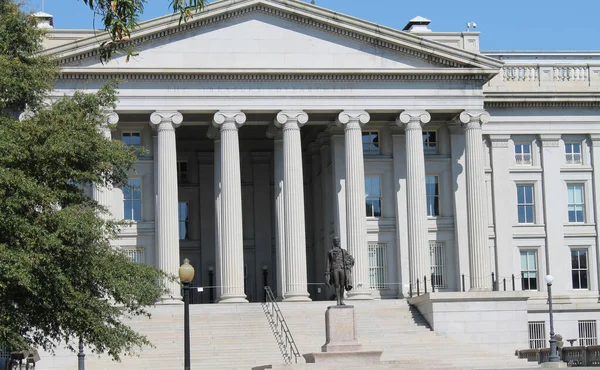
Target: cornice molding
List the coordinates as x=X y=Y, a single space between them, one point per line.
x=542 y=104
x=277 y=75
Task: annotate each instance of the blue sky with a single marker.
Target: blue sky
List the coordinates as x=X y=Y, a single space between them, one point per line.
x=504 y=24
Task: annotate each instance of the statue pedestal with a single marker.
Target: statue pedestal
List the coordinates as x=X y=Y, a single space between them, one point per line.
x=342 y=346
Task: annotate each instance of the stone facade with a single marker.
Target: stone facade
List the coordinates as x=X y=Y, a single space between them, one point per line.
x=507 y=183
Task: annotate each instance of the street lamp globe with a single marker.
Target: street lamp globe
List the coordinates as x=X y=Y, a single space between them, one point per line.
x=549 y=279
x=186 y=272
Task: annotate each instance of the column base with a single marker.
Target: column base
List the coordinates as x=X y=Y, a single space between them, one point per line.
x=233 y=298
x=297 y=297
x=360 y=295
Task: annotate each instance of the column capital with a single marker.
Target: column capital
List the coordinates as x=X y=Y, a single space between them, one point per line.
x=595 y=139
x=274 y=132
x=229 y=119
x=166 y=120
x=293 y=118
x=112 y=118
x=353 y=119
x=474 y=118
x=499 y=141
x=213 y=133
x=550 y=140
x=412 y=119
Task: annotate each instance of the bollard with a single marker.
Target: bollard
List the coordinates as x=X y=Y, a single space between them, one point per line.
x=493 y=282
x=418 y=288
x=425 y=283
x=513 y=282
x=432 y=284
x=463 y=282
x=504 y=283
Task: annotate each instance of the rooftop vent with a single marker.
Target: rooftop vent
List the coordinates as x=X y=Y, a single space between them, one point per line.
x=44 y=20
x=418 y=24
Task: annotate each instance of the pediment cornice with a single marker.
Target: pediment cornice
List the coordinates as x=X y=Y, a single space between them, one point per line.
x=295 y=11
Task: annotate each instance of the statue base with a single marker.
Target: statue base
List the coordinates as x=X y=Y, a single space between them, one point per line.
x=341 y=345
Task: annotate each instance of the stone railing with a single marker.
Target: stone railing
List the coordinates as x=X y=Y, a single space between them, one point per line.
x=529 y=77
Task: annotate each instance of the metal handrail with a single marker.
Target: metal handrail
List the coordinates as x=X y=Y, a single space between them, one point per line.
x=280 y=329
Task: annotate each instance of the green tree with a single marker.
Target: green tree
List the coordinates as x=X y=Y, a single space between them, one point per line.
x=120 y=17
x=60 y=279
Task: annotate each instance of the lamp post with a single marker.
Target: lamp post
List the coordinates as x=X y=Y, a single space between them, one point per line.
x=553 y=354
x=186 y=275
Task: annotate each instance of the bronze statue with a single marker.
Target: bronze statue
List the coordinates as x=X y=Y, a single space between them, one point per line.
x=339 y=270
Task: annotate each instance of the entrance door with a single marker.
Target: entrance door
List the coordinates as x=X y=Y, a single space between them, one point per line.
x=250 y=275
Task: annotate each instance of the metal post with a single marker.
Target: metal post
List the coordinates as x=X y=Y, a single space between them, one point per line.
x=81 y=356
x=425 y=283
x=410 y=289
x=418 y=288
x=493 y=282
x=265 y=280
x=211 y=283
x=432 y=284
x=186 y=319
x=463 y=282
x=504 y=283
x=553 y=353
x=513 y=282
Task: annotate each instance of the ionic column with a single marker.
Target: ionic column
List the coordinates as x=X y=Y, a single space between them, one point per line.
x=479 y=261
x=214 y=133
x=103 y=193
x=356 y=224
x=293 y=193
x=232 y=238
x=166 y=203
x=416 y=196
x=275 y=133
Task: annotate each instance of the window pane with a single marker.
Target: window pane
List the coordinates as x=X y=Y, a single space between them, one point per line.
x=135 y=138
x=137 y=210
x=575 y=279
x=369 y=205
x=520 y=194
x=521 y=211
x=375 y=188
x=127 y=209
x=584 y=279
x=582 y=260
x=574 y=259
x=529 y=194
x=377 y=208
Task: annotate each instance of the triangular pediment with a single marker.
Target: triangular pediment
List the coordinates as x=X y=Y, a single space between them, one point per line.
x=272 y=35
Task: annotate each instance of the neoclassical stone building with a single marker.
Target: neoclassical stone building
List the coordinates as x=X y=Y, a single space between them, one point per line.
x=272 y=126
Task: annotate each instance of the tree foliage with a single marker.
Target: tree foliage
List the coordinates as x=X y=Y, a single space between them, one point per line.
x=60 y=279
x=120 y=17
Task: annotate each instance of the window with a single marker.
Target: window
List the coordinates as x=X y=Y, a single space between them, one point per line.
x=370 y=142
x=373 y=193
x=183 y=221
x=132 y=139
x=525 y=204
x=377 y=278
x=182 y=171
x=430 y=142
x=537 y=334
x=523 y=154
x=588 y=333
x=433 y=196
x=576 y=203
x=529 y=271
x=132 y=200
x=573 y=153
x=437 y=256
x=579 y=269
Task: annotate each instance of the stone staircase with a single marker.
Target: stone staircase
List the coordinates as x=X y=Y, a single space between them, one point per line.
x=239 y=337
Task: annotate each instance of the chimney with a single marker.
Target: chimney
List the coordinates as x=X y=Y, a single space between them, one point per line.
x=417 y=24
x=44 y=20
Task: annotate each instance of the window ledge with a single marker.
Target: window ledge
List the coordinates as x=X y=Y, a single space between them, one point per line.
x=525 y=169
x=576 y=168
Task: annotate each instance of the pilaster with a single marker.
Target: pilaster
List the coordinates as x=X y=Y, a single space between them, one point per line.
x=356 y=226
x=167 y=199
x=232 y=238
x=502 y=195
x=214 y=134
x=595 y=141
x=552 y=159
x=293 y=193
x=102 y=193
x=479 y=261
x=418 y=234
